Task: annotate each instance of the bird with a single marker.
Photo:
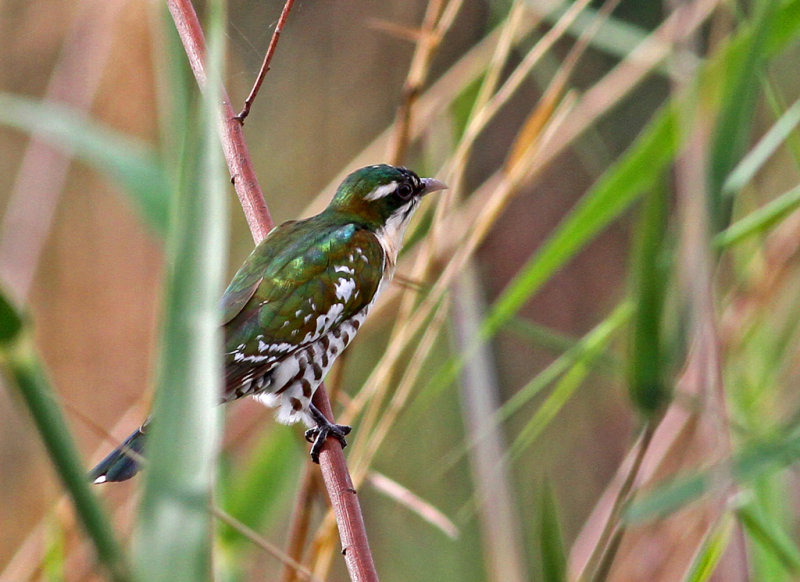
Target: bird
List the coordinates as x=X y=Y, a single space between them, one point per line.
x=298 y=301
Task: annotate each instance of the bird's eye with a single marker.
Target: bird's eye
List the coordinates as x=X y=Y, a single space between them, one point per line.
x=405 y=191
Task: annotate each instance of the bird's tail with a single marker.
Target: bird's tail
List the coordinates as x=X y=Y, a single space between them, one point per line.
x=123 y=462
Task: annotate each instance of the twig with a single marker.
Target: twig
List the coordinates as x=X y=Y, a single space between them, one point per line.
x=608 y=542
x=409 y=283
x=237 y=155
x=394 y=29
x=414 y=503
x=437 y=21
x=273 y=44
x=344 y=499
x=604 y=567
x=334 y=469
x=310 y=489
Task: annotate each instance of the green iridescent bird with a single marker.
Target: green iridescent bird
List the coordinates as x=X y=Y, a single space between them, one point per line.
x=299 y=299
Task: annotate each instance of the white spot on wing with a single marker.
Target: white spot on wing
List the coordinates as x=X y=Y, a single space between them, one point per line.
x=255 y=359
x=279 y=347
x=344 y=288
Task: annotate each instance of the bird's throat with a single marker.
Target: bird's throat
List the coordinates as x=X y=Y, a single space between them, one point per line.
x=391 y=235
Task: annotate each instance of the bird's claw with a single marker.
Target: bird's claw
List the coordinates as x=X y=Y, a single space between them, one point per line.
x=320 y=433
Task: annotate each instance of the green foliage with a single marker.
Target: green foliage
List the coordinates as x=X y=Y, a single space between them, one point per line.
x=462 y=106
x=755 y=159
x=173 y=538
x=576 y=365
x=55 y=554
x=648 y=383
x=177 y=187
x=637 y=170
x=710 y=552
x=735 y=119
x=23 y=371
x=770 y=536
x=751 y=462
x=759 y=221
x=10 y=321
x=268 y=475
x=554 y=556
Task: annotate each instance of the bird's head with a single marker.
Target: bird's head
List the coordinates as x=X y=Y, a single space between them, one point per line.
x=383 y=196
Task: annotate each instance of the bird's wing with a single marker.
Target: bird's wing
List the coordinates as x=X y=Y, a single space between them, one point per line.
x=294 y=293
x=249 y=276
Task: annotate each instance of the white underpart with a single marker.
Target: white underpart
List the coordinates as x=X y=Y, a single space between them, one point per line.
x=381 y=191
x=288 y=370
x=324 y=321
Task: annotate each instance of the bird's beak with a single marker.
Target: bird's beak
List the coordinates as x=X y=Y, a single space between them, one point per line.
x=432 y=185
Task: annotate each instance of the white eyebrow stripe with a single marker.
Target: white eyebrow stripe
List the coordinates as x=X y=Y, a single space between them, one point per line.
x=382 y=191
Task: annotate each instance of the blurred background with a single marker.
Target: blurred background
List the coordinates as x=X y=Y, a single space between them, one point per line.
x=88 y=267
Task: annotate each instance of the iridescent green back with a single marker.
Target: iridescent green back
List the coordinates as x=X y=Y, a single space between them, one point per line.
x=302 y=281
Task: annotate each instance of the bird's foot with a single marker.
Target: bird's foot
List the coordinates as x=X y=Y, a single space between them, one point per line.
x=322 y=431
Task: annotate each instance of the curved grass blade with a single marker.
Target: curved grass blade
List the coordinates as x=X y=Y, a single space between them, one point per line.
x=590 y=347
x=771 y=537
x=131 y=163
x=23 y=370
x=710 y=552
x=573 y=365
x=755 y=460
x=735 y=121
x=768 y=145
x=759 y=220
